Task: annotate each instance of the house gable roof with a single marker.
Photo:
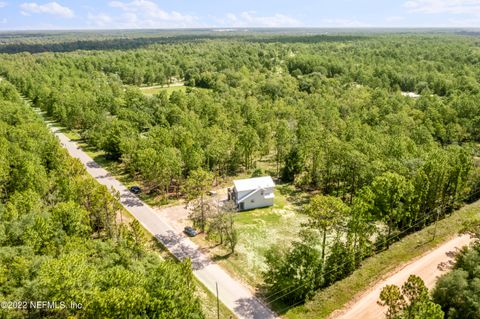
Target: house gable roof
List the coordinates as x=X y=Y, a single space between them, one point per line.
x=250 y=184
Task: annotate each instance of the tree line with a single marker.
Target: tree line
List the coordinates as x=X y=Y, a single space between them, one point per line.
x=328 y=115
x=62 y=238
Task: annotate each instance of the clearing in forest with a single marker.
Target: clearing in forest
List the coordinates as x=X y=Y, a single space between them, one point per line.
x=152 y=90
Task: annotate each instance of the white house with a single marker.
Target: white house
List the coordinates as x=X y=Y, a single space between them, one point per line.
x=253 y=193
x=413 y=95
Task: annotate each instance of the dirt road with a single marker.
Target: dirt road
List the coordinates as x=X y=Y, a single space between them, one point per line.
x=429 y=267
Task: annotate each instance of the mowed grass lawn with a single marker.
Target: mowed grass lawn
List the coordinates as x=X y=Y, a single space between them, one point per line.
x=208 y=302
x=152 y=90
x=258 y=231
x=261 y=229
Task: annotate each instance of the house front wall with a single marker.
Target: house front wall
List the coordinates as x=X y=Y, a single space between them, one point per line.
x=239 y=195
x=256 y=200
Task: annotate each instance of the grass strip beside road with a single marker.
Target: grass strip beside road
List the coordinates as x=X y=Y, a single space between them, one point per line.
x=209 y=303
x=116 y=169
x=375 y=268
x=208 y=300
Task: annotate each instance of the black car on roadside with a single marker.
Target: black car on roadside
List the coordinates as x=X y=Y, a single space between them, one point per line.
x=135 y=189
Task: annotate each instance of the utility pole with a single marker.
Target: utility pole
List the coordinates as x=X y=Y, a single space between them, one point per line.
x=436 y=222
x=218 y=302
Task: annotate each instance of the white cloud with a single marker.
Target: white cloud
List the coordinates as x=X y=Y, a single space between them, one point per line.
x=3 y=4
x=147 y=14
x=444 y=6
x=52 y=8
x=459 y=13
x=99 y=20
x=251 y=19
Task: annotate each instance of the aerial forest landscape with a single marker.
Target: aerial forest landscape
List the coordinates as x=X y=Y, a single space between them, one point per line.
x=184 y=161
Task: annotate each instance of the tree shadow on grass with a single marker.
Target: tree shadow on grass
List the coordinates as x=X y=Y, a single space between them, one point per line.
x=216 y=258
x=271 y=299
x=101 y=159
x=294 y=195
x=213 y=246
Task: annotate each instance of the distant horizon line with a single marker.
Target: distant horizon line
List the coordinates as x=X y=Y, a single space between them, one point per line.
x=227 y=29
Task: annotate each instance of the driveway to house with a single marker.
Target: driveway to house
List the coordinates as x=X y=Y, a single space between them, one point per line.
x=429 y=267
x=232 y=293
x=177 y=215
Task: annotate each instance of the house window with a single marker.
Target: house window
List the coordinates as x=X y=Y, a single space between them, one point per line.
x=262 y=192
x=252 y=201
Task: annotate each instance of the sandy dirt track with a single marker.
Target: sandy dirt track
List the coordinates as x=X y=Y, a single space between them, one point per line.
x=429 y=267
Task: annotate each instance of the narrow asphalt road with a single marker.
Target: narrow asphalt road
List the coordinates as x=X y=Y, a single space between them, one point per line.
x=429 y=267
x=232 y=293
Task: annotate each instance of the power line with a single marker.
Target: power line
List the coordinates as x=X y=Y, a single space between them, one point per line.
x=297 y=288
x=289 y=307
x=293 y=285
x=299 y=302
x=391 y=237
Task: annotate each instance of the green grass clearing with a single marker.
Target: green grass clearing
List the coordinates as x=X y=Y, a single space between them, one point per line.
x=259 y=230
x=374 y=268
x=152 y=90
x=262 y=228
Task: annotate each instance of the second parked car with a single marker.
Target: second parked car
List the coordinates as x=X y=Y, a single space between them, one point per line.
x=190 y=231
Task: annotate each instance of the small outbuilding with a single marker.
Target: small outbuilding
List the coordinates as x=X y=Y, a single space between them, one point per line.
x=252 y=193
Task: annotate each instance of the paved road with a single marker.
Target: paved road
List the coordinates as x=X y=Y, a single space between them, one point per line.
x=233 y=294
x=429 y=267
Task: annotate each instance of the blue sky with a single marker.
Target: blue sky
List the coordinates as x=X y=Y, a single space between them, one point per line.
x=127 y=14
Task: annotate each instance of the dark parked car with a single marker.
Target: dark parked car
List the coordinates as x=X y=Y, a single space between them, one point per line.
x=190 y=231
x=135 y=189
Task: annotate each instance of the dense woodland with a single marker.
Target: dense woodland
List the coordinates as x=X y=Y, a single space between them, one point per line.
x=61 y=237
x=326 y=111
